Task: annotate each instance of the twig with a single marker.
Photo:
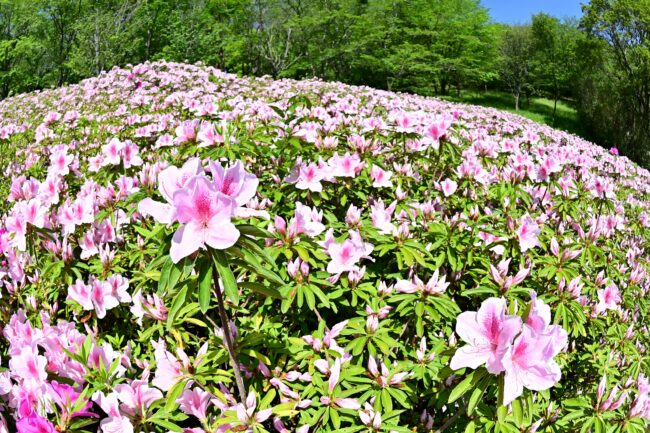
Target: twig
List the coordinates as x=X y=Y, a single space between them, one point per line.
x=227 y=338
x=454 y=417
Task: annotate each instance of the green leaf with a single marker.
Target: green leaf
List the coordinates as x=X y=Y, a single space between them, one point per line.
x=227 y=277
x=169 y=275
x=166 y=424
x=467 y=383
x=517 y=412
x=205 y=285
x=475 y=398
x=251 y=230
x=261 y=289
x=177 y=304
x=173 y=394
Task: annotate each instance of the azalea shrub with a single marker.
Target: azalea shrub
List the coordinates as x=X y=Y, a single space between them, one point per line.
x=185 y=250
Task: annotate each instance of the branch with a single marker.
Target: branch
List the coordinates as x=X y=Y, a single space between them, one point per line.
x=227 y=338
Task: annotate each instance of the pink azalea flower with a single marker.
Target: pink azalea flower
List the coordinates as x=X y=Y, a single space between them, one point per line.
x=528 y=233
x=102 y=298
x=247 y=413
x=164 y=140
x=380 y=178
x=381 y=217
x=307 y=177
x=307 y=220
x=99 y=295
x=88 y=246
x=115 y=422
x=608 y=298
x=208 y=136
x=17 y=227
x=118 y=286
x=346 y=165
x=539 y=320
x=448 y=187
x=170 y=180
x=34 y=212
x=195 y=402
x=234 y=182
x=347 y=403
x=112 y=151
x=131 y=155
x=48 y=192
x=346 y=255
x=136 y=396
x=59 y=163
x=527 y=365
x=168 y=369
x=488 y=332
x=151 y=306
x=205 y=214
x=435 y=285
x=66 y=397
x=34 y=423
x=29 y=367
x=435 y=131
x=81 y=293
x=186 y=131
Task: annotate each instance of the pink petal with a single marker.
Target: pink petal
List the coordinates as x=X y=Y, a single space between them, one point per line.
x=221 y=234
x=186 y=241
x=161 y=212
x=470 y=356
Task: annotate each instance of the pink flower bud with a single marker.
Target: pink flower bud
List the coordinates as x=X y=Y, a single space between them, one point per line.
x=600 y=391
x=555 y=247
x=353 y=216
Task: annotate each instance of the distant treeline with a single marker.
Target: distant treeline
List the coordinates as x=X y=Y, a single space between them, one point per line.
x=601 y=63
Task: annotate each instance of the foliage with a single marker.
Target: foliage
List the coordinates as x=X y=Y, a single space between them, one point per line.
x=516 y=56
x=617 y=89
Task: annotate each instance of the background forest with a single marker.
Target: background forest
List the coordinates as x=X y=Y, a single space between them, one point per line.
x=600 y=64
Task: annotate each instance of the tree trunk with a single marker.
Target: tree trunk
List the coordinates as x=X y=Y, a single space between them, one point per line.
x=517 y=101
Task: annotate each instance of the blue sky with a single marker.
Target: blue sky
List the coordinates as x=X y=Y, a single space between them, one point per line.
x=520 y=11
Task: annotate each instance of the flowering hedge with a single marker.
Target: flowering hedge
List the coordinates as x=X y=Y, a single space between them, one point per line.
x=186 y=250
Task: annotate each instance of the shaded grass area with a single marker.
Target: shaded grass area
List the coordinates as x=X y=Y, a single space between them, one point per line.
x=537 y=109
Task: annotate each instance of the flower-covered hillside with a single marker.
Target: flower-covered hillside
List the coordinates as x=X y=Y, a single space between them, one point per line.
x=187 y=250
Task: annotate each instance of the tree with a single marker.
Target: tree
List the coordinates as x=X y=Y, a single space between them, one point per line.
x=21 y=52
x=624 y=28
x=554 y=55
x=103 y=37
x=516 y=52
x=58 y=32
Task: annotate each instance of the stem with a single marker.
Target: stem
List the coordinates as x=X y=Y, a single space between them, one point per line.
x=227 y=338
x=450 y=421
x=501 y=389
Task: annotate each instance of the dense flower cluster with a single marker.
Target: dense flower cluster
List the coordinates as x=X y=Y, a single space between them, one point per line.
x=186 y=250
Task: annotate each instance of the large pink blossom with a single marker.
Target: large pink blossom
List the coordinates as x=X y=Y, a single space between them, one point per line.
x=170 y=180
x=528 y=233
x=488 y=332
x=34 y=423
x=527 y=365
x=608 y=298
x=205 y=214
x=345 y=256
x=234 y=182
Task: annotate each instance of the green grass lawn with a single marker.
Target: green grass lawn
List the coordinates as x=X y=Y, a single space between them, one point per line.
x=539 y=109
